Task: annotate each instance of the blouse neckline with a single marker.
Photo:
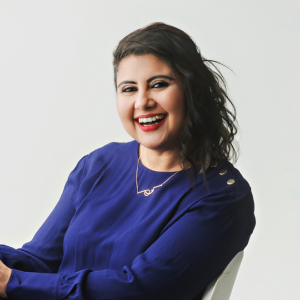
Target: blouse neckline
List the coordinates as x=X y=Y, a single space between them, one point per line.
x=144 y=167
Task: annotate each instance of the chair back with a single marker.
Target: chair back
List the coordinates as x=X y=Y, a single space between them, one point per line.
x=220 y=288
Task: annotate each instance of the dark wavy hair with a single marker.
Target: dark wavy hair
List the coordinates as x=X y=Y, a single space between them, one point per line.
x=209 y=127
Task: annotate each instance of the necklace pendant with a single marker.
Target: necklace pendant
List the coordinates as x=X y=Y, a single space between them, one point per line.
x=148 y=192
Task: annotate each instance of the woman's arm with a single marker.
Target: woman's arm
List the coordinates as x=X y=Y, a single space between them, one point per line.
x=44 y=252
x=178 y=265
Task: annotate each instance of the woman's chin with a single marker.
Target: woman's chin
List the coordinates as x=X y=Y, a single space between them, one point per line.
x=155 y=144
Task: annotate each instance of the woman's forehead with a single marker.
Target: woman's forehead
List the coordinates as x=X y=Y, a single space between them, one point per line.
x=142 y=66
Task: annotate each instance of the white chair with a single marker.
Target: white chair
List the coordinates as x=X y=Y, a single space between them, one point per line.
x=220 y=288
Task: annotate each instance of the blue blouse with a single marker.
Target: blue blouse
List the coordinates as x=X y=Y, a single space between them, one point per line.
x=105 y=241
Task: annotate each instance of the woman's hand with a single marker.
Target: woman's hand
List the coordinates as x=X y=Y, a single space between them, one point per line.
x=4 y=277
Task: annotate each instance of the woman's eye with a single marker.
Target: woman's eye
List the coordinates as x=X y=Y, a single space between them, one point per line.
x=129 y=89
x=160 y=84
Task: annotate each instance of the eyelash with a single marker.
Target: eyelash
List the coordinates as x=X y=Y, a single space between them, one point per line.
x=164 y=84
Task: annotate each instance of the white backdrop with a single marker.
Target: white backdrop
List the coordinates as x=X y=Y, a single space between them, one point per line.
x=58 y=103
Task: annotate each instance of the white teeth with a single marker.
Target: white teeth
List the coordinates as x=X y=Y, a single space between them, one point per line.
x=151 y=119
x=150 y=124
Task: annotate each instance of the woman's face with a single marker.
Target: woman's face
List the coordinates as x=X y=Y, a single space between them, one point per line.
x=150 y=101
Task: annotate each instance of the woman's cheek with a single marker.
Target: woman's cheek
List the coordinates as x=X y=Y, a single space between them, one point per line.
x=125 y=113
x=121 y=110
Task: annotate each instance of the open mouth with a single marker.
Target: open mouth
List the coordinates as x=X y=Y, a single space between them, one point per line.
x=151 y=120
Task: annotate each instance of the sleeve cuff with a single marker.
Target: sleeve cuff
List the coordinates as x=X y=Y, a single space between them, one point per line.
x=33 y=286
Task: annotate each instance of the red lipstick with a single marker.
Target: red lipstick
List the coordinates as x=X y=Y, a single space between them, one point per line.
x=151 y=127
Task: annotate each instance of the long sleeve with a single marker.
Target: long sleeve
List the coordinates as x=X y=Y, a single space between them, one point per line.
x=178 y=265
x=44 y=252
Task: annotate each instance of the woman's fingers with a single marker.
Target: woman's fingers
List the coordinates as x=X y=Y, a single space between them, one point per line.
x=4 y=277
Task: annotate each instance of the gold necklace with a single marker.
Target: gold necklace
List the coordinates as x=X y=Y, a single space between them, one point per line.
x=148 y=192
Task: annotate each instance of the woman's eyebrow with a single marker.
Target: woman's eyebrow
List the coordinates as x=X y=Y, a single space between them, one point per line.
x=148 y=80
x=123 y=82
x=160 y=76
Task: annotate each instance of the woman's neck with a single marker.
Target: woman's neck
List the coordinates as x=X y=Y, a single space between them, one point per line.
x=159 y=160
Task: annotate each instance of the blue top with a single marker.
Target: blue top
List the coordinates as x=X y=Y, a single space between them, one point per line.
x=105 y=241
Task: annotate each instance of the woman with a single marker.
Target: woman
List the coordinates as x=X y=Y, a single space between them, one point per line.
x=155 y=218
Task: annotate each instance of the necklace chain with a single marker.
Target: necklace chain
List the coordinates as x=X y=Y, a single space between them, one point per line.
x=148 y=192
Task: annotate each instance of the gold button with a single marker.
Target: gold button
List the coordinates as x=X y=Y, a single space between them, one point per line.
x=222 y=172
x=214 y=164
x=230 y=181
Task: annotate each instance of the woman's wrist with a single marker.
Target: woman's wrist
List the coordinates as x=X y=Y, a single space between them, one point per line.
x=5 y=273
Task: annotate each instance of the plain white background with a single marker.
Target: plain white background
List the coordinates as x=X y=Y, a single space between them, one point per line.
x=58 y=103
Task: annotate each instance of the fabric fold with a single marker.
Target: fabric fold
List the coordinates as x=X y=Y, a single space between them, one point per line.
x=33 y=286
x=71 y=286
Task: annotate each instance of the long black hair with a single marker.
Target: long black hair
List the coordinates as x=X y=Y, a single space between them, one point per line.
x=210 y=126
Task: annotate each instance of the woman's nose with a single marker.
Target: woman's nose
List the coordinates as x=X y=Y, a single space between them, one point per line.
x=144 y=101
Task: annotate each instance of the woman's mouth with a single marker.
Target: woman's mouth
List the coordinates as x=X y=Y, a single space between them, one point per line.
x=150 y=123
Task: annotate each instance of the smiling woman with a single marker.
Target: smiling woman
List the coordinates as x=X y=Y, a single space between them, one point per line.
x=153 y=90
x=205 y=127
x=155 y=218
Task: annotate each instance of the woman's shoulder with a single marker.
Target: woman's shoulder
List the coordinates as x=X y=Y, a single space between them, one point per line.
x=223 y=184
x=113 y=153
x=225 y=192
x=224 y=177
x=113 y=149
